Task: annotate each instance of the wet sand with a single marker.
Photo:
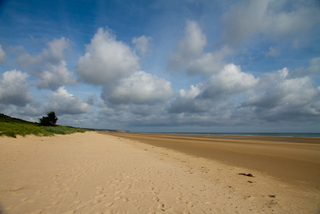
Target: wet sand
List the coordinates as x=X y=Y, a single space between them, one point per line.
x=291 y=159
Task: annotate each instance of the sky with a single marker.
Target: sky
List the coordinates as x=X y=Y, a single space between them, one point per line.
x=163 y=66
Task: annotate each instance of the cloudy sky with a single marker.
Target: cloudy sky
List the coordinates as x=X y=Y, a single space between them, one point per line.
x=163 y=66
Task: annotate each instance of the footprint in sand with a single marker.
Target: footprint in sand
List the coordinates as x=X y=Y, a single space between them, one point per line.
x=27 y=200
x=76 y=202
x=108 y=212
x=98 y=198
x=54 y=202
x=99 y=189
x=125 y=199
x=9 y=207
x=37 y=211
x=69 y=212
x=39 y=193
x=189 y=204
x=109 y=204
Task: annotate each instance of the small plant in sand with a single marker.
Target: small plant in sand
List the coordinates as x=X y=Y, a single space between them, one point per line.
x=49 y=120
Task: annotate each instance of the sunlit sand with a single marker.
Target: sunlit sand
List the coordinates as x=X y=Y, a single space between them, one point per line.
x=125 y=173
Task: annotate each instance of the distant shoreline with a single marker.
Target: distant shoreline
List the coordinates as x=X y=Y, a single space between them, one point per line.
x=266 y=134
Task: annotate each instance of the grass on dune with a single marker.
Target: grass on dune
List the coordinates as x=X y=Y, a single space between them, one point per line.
x=12 y=127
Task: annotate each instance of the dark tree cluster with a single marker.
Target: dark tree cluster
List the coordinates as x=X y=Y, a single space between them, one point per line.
x=49 y=120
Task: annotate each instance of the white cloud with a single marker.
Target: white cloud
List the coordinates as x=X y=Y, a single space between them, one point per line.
x=34 y=109
x=187 y=102
x=194 y=42
x=57 y=48
x=208 y=63
x=269 y=18
x=53 y=54
x=139 y=88
x=281 y=97
x=106 y=60
x=55 y=76
x=216 y=94
x=3 y=57
x=14 y=88
x=49 y=67
x=314 y=67
x=231 y=80
x=243 y=19
x=63 y=102
x=313 y=70
x=192 y=93
x=190 y=47
x=191 y=55
x=142 y=44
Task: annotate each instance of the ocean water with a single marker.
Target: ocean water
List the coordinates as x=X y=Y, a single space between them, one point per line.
x=314 y=135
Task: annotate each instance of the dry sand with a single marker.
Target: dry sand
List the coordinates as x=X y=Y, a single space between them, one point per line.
x=291 y=159
x=99 y=173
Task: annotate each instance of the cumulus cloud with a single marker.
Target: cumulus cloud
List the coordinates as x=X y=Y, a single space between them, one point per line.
x=216 y=93
x=191 y=55
x=314 y=67
x=63 y=102
x=55 y=76
x=106 y=60
x=53 y=54
x=281 y=97
x=49 y=67
x=57 y=48
x=190 y=47
x=14 y=88
x=270 y=18
x=142 y=44
x=230 y=80
x=34 y=109
x=187 y=102
x=224 y=101
x=311 y=71
x=208 y=63
x=139 y=88
x=3 y=57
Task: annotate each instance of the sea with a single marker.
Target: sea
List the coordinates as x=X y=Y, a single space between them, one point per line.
x=313 y=135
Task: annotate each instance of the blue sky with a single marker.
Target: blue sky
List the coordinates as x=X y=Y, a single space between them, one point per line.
x=193 y=65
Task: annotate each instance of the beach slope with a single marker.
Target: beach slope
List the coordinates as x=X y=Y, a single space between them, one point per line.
x=100 y=173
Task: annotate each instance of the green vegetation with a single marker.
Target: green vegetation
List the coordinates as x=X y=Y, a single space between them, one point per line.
x=49 y=120
x=12 y=127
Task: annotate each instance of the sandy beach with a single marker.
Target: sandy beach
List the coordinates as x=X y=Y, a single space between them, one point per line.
x=143 y=173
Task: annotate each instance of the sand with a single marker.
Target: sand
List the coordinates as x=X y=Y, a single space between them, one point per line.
x=99 y=173
x=291 y=159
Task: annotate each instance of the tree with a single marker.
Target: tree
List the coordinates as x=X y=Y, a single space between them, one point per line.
x=49 y=120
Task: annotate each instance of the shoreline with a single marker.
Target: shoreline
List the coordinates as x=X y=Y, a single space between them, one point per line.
x=295 y=160
x=239 y=134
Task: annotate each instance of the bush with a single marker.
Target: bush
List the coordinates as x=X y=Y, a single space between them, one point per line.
x=49 y=120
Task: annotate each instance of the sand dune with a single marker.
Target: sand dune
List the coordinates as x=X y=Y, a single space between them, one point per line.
x=98 y=173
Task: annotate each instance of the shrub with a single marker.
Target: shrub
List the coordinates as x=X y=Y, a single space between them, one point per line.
x=49 y=120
